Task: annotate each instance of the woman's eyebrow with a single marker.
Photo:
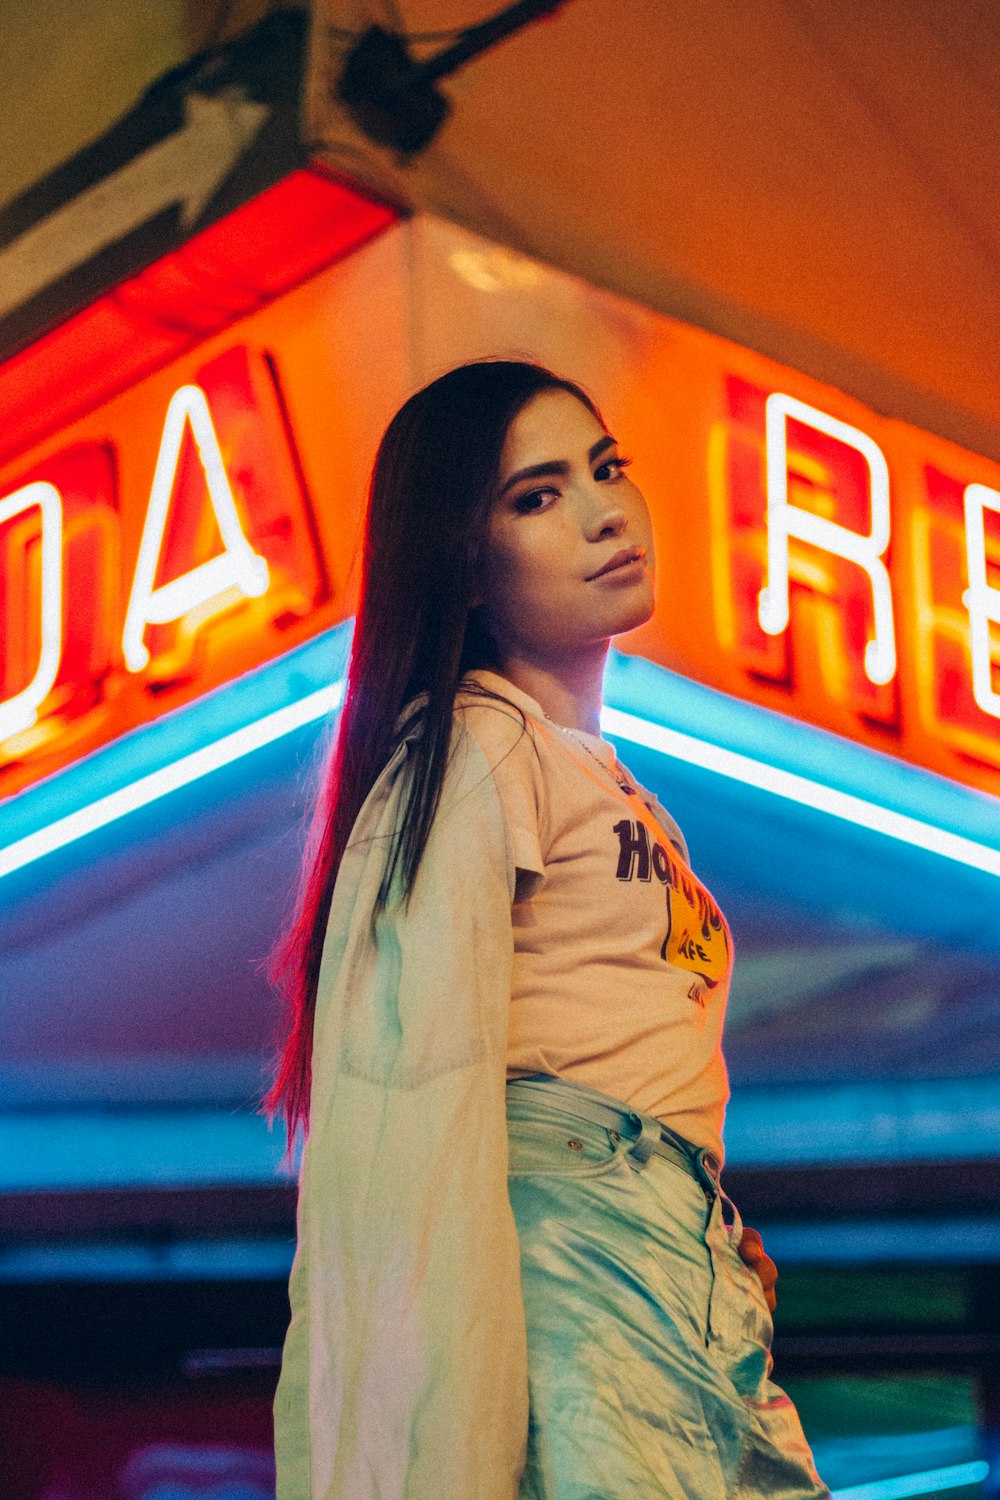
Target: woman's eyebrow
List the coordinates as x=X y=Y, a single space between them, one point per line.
x=558 y=468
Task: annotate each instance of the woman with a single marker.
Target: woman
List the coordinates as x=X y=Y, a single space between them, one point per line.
x=501 y=943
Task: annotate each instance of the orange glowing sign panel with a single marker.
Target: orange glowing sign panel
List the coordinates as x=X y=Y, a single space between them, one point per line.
x=120 y=601
x=825 y=562
x=856 y=573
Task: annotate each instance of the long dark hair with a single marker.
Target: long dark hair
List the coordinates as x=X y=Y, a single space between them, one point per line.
x=433 y=484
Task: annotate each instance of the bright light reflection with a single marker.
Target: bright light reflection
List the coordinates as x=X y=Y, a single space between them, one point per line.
x=795 y=788
x=929 y=1482
x=168 y=778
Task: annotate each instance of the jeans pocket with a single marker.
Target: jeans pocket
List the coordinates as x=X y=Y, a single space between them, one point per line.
x=562 y=1148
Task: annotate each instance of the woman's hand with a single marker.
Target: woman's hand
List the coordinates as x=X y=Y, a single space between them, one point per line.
x=752 y=1252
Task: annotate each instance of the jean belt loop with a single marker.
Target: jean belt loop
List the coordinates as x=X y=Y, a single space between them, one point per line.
x=708 y=1165
x=649 y=1136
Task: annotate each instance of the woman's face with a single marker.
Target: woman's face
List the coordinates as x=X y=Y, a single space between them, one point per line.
x=568 y=560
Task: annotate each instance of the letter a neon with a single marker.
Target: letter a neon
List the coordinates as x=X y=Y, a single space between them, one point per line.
x=237 y=567
x=21 y=711
x=981 y=599
x=785 y=520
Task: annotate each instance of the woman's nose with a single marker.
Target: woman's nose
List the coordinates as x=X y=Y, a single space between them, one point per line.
x=605 y=521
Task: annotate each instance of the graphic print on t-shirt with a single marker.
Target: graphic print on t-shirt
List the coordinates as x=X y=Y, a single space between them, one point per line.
x=696 y=937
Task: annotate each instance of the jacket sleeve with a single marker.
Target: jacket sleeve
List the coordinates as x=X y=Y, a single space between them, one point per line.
x=405 y=1372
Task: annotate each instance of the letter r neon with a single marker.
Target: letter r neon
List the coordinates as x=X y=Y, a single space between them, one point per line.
x=785 y=520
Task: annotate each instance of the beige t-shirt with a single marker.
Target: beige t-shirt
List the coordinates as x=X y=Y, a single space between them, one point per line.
x=622 y=960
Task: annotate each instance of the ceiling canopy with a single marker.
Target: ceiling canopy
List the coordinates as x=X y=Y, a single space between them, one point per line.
x=813 y=178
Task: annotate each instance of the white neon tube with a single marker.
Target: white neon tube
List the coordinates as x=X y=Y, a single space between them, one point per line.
x=785 y=520
x=800 y=789
x=168 y=778
x=615 y=722
x=237 y=566
x=21 y=712
x=981 y=599
x=929 y=1482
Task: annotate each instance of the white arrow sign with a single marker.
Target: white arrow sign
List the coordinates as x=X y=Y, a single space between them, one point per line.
x=186 y=168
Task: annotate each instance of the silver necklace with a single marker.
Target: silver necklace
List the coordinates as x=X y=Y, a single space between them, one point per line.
x=611 y=771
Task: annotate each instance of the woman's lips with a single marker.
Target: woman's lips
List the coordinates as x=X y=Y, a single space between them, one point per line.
x=628 y=555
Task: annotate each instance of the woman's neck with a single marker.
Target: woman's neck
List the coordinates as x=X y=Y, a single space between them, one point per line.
x=569 y=693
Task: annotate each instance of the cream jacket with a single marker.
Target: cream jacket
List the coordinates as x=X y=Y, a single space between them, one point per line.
x=404 y=1374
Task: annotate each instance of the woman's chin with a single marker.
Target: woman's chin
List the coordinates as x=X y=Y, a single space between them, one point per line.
x=632 y=618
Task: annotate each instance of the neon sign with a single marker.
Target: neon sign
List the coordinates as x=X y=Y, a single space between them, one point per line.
x=814 y=557
x=981 y=598
x=855 y=578
x=237 y=569
x=784 y=520
x=21 y=710
x=225 y=567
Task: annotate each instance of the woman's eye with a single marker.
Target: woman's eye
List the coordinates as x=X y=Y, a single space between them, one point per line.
x=611 y=468
x=532 y=501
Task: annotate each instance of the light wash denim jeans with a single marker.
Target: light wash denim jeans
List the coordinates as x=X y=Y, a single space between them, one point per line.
x=648 y=1338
